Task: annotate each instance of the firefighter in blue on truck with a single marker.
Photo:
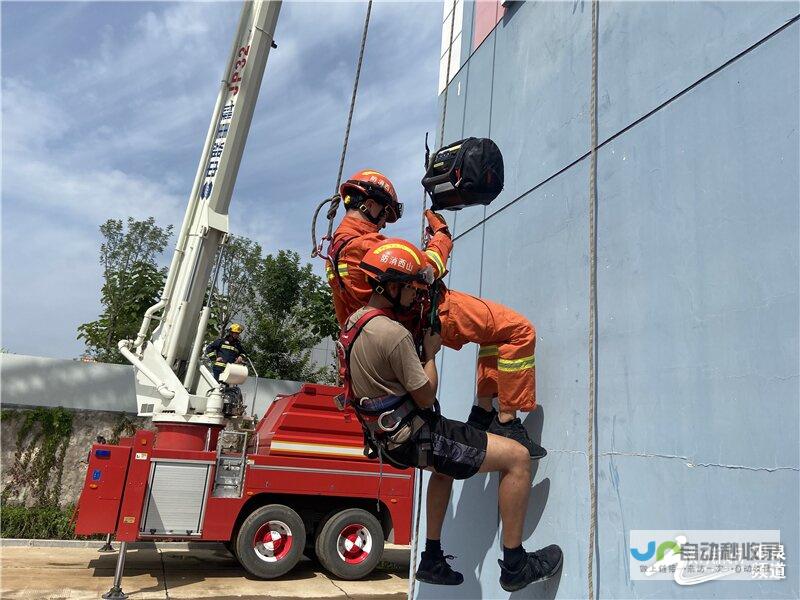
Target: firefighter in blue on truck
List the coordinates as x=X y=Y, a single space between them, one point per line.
x=393 y=393
x=226 y=350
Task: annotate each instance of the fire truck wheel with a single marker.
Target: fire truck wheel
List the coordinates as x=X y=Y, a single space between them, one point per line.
x=350 y=543
x=270 y=542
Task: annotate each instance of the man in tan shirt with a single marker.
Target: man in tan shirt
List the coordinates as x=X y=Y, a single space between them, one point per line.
x=383 y=362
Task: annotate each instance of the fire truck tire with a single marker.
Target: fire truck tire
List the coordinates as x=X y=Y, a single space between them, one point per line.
x=270 y=542
x=350 y=544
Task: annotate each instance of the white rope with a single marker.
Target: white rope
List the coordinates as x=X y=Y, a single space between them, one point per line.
x=335 y=199
x=590 y=429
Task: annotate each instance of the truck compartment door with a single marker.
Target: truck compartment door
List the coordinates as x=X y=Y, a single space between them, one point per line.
x=176 y=498
x=99 y=504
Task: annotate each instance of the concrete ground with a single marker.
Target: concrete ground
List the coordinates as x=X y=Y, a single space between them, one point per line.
x=172 y=571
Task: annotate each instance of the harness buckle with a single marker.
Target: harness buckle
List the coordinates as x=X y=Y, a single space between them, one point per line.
x=386 y=427
x=340 y=400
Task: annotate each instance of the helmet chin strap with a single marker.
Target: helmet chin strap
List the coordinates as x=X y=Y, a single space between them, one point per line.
x=395 y=300
x=369 y=217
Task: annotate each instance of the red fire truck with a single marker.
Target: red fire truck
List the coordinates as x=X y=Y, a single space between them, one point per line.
x=294 y=482
x=299 y=483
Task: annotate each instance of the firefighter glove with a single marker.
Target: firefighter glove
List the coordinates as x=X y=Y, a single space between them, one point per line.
x=436 y=223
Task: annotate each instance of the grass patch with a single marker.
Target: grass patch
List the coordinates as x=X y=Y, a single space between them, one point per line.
x=37 y=522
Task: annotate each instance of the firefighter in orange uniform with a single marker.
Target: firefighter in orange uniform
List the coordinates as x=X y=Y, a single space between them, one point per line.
x=506 y=367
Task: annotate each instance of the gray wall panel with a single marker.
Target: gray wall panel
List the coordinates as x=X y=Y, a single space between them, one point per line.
x=454 y=121
x=638 y=492
x=698 y=264
x=535 y=262
x=541 y=91
x=698 y=274
x=467 y=29
x=477 y=115
x=649 y=51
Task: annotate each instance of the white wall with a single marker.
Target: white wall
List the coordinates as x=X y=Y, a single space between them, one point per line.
x=38 y=381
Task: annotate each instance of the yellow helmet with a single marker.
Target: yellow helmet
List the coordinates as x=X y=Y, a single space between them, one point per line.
x=236 y=328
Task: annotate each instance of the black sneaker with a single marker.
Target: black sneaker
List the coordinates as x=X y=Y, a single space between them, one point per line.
x=434 y=569
x=540 y=565
x=516 y=431
x=480 y=418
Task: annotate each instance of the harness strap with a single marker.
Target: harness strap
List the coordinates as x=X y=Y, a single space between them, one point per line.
x=347 y=338
x=381 y=416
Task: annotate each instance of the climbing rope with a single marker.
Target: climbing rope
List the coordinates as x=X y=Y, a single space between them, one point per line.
x=590 y=429
x=336 y=198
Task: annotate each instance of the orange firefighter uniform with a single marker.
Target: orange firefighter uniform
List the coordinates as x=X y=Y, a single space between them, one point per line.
x=506 y=365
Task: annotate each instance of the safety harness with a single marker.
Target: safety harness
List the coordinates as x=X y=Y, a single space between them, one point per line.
x=382 y=416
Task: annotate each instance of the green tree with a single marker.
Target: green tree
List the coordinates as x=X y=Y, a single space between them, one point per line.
x=234 y=293
x=291 y=312
x=132 y=283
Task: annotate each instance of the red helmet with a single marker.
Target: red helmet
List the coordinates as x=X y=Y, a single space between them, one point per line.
x=375 y=185
x=395 y=259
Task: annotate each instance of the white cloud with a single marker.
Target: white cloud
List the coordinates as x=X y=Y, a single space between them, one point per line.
x=117 y=130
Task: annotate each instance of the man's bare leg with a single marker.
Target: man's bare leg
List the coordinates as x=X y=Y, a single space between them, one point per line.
x=439 y=489
x=518 y=568
x=505 y=416
x=433 y=567
x=513 y=463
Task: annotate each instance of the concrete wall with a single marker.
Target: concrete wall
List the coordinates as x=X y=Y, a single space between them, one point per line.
x=37 y=381
x=86 y=426
x=697 y=258
x=98 y=394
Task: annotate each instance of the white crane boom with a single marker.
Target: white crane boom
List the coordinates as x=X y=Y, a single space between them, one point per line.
x=167 y=384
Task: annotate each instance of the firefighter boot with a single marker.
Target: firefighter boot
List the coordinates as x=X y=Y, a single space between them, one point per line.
x=515 y=430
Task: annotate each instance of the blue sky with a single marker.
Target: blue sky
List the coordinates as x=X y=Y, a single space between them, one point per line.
x=105 y=107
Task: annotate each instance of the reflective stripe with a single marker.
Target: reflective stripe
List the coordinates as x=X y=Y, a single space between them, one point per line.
x=220 y=364
x=228 y=347
x=434 y=256
x=408 y=249
x=341 y=268
x=515 y=364
x=488 y=351
x=312 y=448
